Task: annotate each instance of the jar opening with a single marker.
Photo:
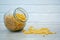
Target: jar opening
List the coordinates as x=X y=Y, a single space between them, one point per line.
x=20 y=14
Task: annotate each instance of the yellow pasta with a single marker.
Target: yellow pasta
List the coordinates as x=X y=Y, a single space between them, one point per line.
x=21 y=17
x=14 y=25
x=43 y=31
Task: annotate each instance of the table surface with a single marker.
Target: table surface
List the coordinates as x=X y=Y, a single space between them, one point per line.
x=6 y=35
x=42 y=13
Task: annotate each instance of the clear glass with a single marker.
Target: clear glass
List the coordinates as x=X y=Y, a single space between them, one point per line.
x=12 y=22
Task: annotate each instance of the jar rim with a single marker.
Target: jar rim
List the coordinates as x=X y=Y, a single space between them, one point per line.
x=23 y=11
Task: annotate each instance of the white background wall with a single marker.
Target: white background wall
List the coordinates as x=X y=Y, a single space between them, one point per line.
x=42 y=13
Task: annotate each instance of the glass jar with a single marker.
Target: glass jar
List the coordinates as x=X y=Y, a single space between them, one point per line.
x=15 y=19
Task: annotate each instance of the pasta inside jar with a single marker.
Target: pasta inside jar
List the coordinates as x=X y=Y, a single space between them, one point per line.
x=15 y=22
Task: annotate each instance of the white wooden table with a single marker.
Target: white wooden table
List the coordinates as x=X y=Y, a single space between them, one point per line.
x=42 y=13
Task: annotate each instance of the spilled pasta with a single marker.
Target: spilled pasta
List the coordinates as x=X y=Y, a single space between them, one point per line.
x=42 y=31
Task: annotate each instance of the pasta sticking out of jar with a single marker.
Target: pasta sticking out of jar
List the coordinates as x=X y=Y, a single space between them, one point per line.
x=21 y=17
x=43 y=31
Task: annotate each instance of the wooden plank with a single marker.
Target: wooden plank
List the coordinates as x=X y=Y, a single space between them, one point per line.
x=32 y=8
x=42 y=18
x=29 y=2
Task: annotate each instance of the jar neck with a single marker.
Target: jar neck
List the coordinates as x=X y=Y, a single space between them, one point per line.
x=18 y=10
